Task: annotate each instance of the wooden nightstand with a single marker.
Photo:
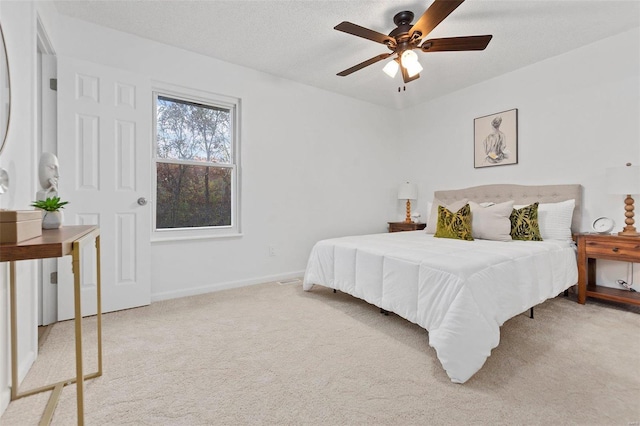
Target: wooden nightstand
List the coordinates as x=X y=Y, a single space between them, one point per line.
x=404 y=226
x=609 y=247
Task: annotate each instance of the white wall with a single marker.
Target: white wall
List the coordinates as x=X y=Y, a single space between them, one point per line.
x=314 y=164
x=578 y=113
x=18 y=22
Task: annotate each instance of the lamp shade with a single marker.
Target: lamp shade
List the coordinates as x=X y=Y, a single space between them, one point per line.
x=407 y=191
x=408 y=57
x=623 y=180
x=413 y=68
x=391 y=69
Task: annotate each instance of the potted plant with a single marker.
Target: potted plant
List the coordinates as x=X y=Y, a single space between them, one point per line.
x=52 y=216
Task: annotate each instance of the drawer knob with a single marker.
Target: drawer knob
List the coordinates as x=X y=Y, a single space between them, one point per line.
x=615 y=249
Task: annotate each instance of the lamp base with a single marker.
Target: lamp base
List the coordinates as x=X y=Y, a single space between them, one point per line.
x=408 y=217
x=629 y=232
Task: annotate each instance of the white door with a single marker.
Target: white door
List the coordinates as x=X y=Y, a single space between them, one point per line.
x=104 y=145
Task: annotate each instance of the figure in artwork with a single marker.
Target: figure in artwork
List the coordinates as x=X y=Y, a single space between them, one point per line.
x=495 y=144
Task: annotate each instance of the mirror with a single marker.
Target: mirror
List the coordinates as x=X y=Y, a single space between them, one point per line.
x=5 y=92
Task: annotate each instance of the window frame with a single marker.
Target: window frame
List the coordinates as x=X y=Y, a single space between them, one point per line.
x=206 y=99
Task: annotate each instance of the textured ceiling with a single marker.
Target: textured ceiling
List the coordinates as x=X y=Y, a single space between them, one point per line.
x=296 y=40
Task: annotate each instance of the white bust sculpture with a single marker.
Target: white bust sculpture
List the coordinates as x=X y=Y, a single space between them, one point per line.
x=48 y=175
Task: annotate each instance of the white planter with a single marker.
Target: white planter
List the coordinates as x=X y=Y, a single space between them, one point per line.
x=52 y=220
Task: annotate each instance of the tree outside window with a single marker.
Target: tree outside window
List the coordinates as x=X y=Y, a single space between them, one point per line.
x=194 y=164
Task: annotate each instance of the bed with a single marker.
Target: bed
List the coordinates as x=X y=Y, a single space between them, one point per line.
x=460 y=291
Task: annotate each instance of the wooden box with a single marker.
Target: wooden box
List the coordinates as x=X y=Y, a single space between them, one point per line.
x=20 y=225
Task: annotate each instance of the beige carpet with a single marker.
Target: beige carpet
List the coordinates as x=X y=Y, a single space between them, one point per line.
x=273 y=354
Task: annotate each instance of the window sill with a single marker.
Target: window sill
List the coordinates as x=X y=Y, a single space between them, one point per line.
x=169 y=238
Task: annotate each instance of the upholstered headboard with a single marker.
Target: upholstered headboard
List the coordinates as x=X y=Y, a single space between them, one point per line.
x=520 y=194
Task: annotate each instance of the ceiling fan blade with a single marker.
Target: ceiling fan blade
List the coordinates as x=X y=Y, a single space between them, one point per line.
x=364 y=64
x=451 y=44
x=357 y=30
x=435 y=14
x=405 y=75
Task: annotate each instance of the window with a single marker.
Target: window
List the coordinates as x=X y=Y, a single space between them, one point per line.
x=195 y=158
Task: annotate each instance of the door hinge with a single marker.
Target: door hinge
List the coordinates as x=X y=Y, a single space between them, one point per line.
x=53 y=84
x=53 y=278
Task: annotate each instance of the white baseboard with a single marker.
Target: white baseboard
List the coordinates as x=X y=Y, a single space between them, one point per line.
x=25 y=364
x=155 y=297
x=23 y=368
x=5 y=397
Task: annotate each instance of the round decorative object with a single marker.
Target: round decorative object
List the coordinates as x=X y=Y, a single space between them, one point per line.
x=602 y=225
x=4 y=181
x=52 y=220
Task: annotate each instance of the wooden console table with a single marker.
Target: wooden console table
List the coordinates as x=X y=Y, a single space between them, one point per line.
x=55 y=243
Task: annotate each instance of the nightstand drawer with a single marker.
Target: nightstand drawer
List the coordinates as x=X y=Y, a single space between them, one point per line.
x=618 y=250
x=405 y=226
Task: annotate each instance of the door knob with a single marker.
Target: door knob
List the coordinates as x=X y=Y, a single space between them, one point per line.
x=142 y=201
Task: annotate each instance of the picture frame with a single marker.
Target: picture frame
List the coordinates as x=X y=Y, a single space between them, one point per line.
x=495 y=141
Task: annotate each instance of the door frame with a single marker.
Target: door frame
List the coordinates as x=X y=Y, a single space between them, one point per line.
x=47 y=141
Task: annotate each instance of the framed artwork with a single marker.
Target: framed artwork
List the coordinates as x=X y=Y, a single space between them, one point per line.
x=495 y=141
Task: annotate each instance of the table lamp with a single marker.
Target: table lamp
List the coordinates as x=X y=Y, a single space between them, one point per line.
x=626 y=181
x=408 y=191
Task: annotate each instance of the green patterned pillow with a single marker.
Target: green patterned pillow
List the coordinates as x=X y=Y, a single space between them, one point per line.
x=524 y=223
x=454 y=225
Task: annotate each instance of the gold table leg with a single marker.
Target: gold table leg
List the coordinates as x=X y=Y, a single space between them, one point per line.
x=99 y=305
x=80 y=378
x=51 y=405
x=14 y=330
x=77 y=303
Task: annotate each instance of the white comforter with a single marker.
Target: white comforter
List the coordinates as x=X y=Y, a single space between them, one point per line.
x=460 y=291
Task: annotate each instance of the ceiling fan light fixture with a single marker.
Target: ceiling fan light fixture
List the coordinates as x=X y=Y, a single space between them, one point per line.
x=413 y=68
x=408 y=57
x=391 y=69
x=406 y=37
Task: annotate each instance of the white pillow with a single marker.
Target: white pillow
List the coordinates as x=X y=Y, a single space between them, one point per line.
x=491 y=222
x=554 y=219
x=432 y=223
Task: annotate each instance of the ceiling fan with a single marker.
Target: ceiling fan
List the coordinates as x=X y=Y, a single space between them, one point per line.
x=406 y=37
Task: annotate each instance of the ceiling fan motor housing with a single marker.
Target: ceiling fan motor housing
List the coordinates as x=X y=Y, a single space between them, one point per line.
x=403 y=22
x=403 y=18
